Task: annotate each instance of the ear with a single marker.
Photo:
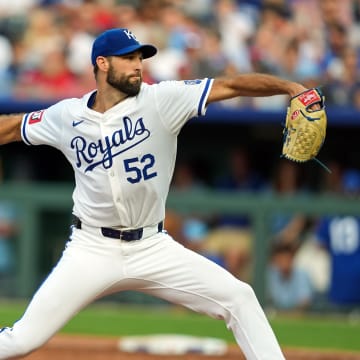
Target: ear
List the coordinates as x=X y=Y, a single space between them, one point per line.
x=102 y=63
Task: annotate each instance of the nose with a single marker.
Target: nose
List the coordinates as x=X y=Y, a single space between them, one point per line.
x=138 y=62
x=139 y=66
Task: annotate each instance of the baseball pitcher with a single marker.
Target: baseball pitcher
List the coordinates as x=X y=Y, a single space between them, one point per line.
x=121 y=141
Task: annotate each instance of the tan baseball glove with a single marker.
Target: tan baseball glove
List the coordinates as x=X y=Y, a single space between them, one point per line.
x=305 y=127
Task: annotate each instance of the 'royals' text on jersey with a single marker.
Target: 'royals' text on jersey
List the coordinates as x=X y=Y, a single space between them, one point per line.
x=124 y=158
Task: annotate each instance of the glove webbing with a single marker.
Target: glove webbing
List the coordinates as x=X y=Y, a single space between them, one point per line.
x=314 y=158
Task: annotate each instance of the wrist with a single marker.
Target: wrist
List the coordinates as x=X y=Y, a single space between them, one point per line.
x=295 y=89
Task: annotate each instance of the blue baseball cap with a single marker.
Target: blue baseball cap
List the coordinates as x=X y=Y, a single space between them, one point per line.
x=119 y=42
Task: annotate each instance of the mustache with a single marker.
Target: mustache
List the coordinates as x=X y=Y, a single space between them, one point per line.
x=137 y=73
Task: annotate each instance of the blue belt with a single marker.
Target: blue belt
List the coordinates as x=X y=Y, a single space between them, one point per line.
x=126 y=235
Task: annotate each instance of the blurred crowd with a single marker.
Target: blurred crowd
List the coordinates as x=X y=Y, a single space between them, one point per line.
x=45 y=55
x=295 y=282
x=45 y=44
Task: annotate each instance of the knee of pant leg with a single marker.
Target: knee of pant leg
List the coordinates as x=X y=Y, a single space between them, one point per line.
x=247 y=299
x=244 y=305
x=242 y=297
x=236 y=297
x=246 y=292
x=240 y=292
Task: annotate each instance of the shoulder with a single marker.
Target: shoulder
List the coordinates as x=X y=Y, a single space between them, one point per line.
x=178 y=90
x=71 y=104
x=80 y=101
x=160 y=90
x=173 y=84
x=145 y=87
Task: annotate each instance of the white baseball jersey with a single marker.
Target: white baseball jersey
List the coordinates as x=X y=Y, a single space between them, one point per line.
x=123 y=159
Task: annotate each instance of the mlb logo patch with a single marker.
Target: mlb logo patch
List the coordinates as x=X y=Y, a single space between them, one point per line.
x=192 y=82
x=36 y=117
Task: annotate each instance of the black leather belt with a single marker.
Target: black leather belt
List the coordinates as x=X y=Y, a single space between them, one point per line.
x=126 y=235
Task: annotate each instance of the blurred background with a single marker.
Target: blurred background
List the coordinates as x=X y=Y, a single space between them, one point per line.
x=291 y=230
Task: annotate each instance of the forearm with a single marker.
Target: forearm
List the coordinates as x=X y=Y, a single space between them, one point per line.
x=254 y=85
x=264 y=85
x=10 y=128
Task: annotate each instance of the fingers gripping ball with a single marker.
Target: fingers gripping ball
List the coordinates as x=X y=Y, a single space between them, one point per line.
x=305 y=127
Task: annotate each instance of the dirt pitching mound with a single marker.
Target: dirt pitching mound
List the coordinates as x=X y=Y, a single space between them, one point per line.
x=69 y=347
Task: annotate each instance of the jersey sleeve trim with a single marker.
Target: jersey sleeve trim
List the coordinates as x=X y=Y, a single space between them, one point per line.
x=204 y=96
x=23 y=129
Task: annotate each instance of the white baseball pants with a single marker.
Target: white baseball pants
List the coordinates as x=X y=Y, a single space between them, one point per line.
x=93 y=266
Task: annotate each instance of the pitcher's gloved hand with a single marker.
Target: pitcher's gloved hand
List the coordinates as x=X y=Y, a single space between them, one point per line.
x=305 y=127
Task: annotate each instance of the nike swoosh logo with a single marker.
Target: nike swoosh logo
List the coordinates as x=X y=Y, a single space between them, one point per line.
x=76 y=123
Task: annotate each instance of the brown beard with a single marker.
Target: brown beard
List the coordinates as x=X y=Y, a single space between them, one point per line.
x=123 y=83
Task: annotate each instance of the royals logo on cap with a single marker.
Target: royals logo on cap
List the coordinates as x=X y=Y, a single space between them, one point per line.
x=117 y=42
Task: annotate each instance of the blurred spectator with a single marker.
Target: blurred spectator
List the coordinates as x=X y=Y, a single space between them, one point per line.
x=238 y=176
x=7 y=232
x=190 y=68
x=191 y=228
x=174 y=225
x=14 y=7
x=5 y=64
x=226 y=245
x=355 y=25
x=236 y=28
x=78 y=44
x=335 y=11
x=6 y=53
x=310 y=41
x=294 y=230
x=8 y=227
x=192 y=232
x=304 y=40
x=337 y=41
x=342 y=88
x=340 y=236
x=274 y=33
x=41 y=34
x=231 y=236
x=181 y=29
x=212 y=60
x=331 y=183
x=179 y=37
x=199 y=10
x=126 y=14
x=188 y=176
x=287 y=228
x=298 y=65
x=50 y=80
x=231 y=247
x=289 y=287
